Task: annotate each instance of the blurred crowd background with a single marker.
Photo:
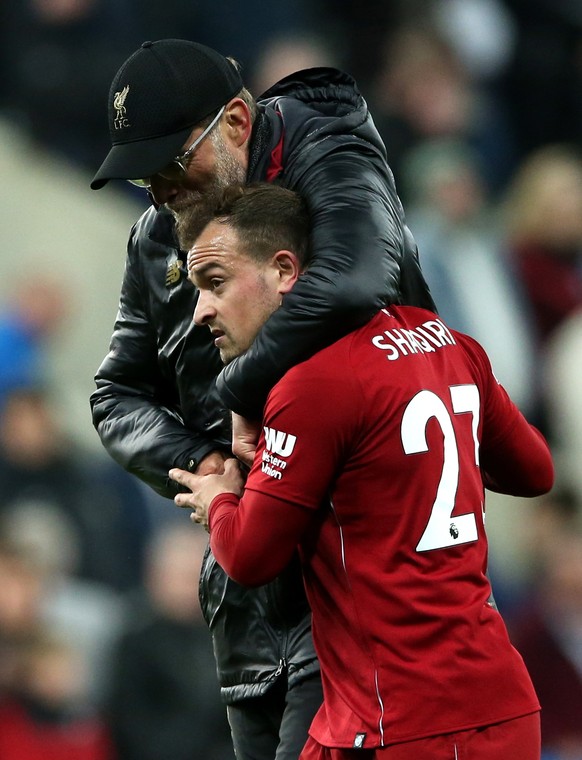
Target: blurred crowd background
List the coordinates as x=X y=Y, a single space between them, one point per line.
x=103 y=652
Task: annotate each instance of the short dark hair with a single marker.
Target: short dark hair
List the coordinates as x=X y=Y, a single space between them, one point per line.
x=266 y=218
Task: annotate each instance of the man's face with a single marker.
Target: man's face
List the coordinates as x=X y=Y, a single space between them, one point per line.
x=215 y=164
x=237 y=294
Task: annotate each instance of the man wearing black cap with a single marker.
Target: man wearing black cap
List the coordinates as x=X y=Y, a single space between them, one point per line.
x=183 y=126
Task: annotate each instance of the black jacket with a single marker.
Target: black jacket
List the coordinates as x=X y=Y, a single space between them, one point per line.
x=157 y=405
x=364 y=253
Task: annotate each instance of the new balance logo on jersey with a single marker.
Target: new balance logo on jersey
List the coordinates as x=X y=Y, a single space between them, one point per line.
x=278 y=442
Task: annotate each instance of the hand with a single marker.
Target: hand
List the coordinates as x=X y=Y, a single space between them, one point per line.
x=205 y=487
x=245 y=436
x=211 y=464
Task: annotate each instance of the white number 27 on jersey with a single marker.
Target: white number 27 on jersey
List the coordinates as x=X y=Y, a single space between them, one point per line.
x=442 y=529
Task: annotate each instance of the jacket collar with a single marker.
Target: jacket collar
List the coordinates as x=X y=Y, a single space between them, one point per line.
x=163 y=227
x=267 y=132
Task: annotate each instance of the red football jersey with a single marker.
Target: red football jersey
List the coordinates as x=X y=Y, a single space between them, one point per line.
x=381 y=435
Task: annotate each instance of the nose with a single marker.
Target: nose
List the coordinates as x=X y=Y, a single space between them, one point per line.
x=204 y=311
x=163 y=190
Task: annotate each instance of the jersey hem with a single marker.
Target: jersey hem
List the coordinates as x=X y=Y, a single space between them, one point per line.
x=348 y=744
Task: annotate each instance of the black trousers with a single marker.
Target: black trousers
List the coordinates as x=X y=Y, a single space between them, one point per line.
x=274 y=726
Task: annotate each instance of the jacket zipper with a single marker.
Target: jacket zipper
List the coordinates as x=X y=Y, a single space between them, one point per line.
x=282 y=665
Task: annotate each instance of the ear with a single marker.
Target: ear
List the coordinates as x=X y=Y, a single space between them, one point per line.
x=237 y=121
x=287 y=270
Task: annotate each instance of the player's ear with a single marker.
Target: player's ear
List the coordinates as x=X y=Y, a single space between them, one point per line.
x=287 y=269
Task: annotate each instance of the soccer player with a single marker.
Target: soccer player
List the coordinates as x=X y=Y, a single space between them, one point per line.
x=372 y=460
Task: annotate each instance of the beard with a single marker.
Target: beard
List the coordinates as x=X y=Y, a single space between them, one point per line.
x=191 y=210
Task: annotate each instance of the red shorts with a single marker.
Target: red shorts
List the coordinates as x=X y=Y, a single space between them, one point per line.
x=518 y=739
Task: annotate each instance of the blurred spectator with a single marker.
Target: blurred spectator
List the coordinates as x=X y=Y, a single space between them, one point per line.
x=284 y=55
x=153 y=21
x=554 y=515
x=520 y=530
x=165 y=700
x=101 y=505
x=359 y=28
x=543 y=82
x=20 y=599
x=36 y=310
x=423 y=91
x=60 y=56
x=543 y=221
x=548 y=634
x=460 y=246
x=482 y=32
x=562 y=362
x=243 y=30
x=41 y=716
x=45 y=594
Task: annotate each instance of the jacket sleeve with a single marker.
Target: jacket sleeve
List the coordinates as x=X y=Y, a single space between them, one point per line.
x=146 y=437
x=359 y=240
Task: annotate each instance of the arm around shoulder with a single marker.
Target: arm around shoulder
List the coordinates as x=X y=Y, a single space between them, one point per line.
x=358 y=241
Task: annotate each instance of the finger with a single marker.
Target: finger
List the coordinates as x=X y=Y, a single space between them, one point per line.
x=199 y=520
x=231 y=466
x=184 y=500
x=182 y=476
x=177 y=474
x=232 y=469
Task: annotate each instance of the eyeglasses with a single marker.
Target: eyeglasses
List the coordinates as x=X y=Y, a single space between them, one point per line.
x=177 y=169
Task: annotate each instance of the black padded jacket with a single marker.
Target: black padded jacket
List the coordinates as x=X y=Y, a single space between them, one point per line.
x=157 y=404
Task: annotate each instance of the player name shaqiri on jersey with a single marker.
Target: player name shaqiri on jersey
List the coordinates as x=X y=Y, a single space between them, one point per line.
x=424 y=338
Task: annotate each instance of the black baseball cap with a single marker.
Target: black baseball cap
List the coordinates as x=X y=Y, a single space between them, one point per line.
x=156 y=98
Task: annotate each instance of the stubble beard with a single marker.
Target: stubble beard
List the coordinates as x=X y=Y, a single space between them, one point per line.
x=266 y=302
x=227 y=171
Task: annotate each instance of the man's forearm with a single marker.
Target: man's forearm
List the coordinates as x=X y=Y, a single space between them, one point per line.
x=147 y=440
